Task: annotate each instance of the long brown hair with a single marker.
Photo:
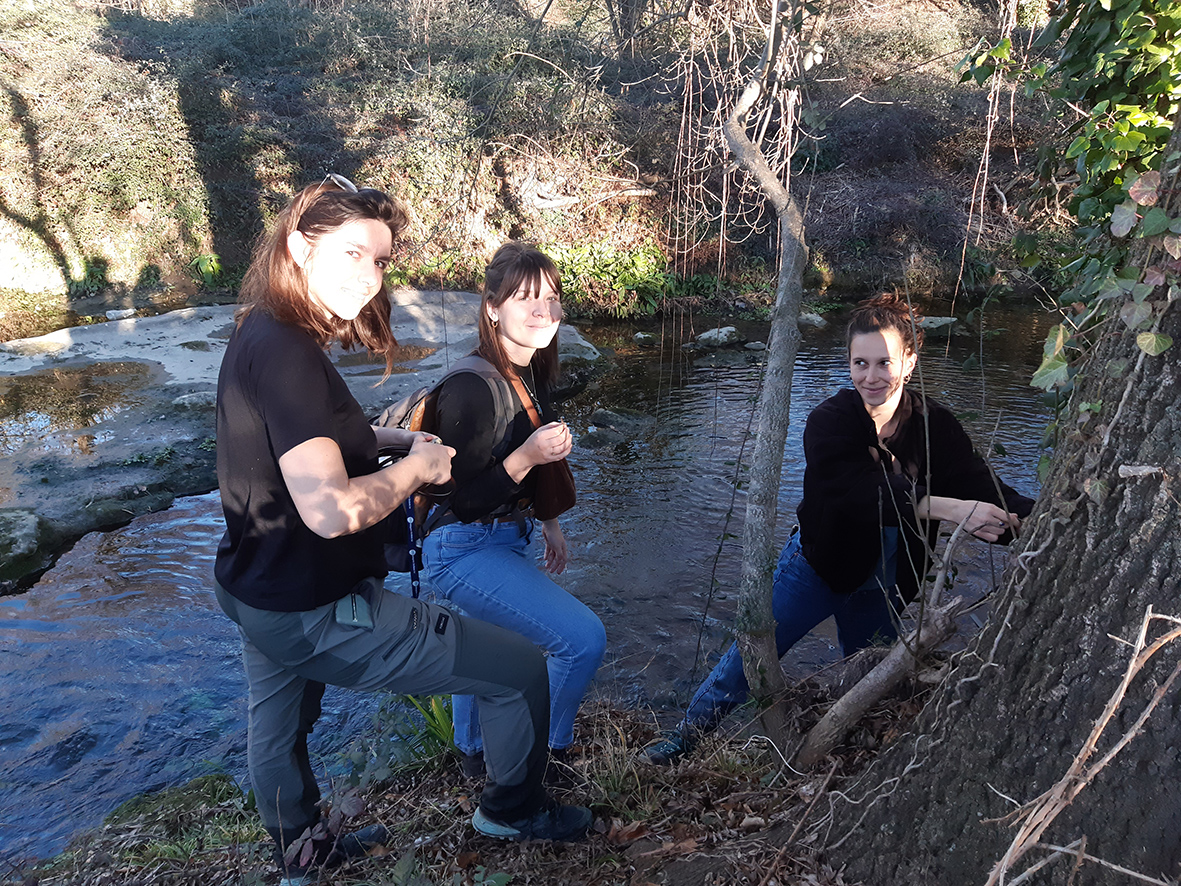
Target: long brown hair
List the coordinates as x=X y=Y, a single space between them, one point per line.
x=517 y=265
x=887 y=310
x=274 y=283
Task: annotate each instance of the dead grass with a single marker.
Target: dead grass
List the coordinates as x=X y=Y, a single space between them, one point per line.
x=727 y=813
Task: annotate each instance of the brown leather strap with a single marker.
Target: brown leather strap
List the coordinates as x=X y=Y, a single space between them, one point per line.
x=526 y=400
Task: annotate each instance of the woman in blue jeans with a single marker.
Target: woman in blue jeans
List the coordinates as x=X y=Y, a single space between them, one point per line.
x=479 y=557
x=884 y=466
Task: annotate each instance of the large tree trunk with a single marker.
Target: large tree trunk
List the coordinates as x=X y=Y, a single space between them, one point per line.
x=1102 y=546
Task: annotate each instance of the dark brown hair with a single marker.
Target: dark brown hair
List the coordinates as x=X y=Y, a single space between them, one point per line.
x=887 y=310
x=517 y=265
x=274 y=283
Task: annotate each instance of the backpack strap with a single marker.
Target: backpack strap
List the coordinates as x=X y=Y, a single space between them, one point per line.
x=503 y=406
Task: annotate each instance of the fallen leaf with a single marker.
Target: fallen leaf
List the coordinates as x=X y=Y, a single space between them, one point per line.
x=626 y=833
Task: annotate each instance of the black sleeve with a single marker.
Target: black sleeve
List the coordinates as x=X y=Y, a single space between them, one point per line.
x=959 y=471
x=466 y=420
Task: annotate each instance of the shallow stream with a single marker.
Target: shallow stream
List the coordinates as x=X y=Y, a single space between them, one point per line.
x=119 y=674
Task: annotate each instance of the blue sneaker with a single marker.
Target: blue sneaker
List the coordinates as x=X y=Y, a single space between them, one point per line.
x=554 y=821
x=673 y=744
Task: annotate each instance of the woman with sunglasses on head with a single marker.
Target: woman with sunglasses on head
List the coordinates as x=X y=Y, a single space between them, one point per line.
x=502 y=426
x=885 y=465
x=300 y=566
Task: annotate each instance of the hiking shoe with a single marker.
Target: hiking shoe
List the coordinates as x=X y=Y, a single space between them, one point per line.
x=330 y=853
x=473 y=765
x=673 y=744
x=554 y=821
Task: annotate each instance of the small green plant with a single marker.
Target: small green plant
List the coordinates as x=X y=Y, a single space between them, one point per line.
x=94 y=278
x=408 y=733
x=159 y=458
x=207 y=270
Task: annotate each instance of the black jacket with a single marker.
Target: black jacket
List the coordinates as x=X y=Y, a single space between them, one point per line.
x=851 y=489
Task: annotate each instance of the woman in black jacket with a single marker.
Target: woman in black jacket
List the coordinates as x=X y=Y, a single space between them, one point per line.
x=884 y=466
x=479 y=557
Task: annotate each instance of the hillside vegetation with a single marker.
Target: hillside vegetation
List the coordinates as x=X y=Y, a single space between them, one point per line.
x=150 y=140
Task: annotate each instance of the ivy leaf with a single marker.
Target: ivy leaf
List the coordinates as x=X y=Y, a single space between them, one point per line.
x=1078 y=146
x=1156 y=221
x=1053 y=373
x=1055 y=342
x=1154 y=343
x=1154 y=277
x=1144 y=190
x=1136 y=315
x=1172 y=245
x=1123 y=219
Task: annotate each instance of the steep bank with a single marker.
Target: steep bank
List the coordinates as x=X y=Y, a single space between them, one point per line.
x=152 y=139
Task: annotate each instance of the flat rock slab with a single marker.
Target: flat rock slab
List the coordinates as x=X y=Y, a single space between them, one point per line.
x=106 y=422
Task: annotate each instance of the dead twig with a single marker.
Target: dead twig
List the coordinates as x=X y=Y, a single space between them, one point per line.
x=1037 y=815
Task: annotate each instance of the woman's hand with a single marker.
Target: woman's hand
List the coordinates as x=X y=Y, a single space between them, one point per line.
x=548 y=443
x=556 y=553
x=433 y=458
x=400 y=438
x=985 y=521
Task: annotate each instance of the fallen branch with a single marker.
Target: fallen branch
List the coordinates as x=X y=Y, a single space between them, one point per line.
x=936 y=625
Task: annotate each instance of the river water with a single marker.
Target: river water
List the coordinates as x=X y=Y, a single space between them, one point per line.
x=120 y=675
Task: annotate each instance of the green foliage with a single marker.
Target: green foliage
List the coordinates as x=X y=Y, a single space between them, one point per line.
x=1119 y=72
x=159 y=458
x=207 y=269
x=93 y=279
x=408 y=733
x=628 y=282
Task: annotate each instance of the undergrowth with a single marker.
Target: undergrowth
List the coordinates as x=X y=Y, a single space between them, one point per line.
x=732 y=802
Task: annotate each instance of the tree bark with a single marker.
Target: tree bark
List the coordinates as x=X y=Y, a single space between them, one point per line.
x=754 y=621
x=1014 y=718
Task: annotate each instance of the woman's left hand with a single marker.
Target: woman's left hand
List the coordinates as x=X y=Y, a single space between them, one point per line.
x=556 y=554
x=400 y=438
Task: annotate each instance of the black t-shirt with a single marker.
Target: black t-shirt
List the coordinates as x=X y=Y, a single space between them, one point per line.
x=277 y=389
x=466 y=420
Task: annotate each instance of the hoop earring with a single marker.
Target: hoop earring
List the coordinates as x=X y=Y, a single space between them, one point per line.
x=495 y=322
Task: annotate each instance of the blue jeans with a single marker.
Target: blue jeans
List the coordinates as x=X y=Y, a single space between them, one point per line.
x=800 y=600
x=485 y=570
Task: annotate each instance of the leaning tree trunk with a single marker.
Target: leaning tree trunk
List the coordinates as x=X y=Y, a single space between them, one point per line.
x=1029 y=714
x=754 y=622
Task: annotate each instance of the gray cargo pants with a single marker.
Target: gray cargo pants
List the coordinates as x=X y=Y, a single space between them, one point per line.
x=413 y=648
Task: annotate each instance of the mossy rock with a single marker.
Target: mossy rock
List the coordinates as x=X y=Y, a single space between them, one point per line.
x=23 y=542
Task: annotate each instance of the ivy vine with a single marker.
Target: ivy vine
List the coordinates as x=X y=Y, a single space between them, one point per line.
x=1114 y=71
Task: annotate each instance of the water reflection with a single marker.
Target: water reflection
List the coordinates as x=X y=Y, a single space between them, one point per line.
x=36 y=407
x=118 y=673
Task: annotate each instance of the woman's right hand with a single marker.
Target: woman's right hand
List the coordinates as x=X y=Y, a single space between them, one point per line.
x=432 y=460
x=548 y=443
